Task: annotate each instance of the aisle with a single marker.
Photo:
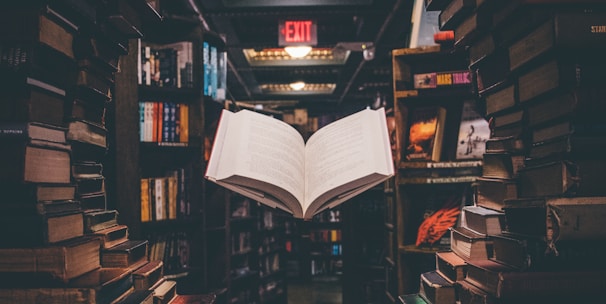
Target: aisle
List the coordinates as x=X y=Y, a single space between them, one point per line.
x=321 y=290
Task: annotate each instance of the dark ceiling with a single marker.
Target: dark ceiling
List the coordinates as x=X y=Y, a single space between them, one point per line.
x=253 y=24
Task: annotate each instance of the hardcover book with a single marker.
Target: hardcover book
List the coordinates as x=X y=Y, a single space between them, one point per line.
x=267 y=160
x=148 y=275
x=413 y=298
x=505 y=282
x=194 y=299
x=36 y=161
x=61 y=262
x=557 y=218
x=468 y=244
x=482 y=220
x=581 y=177
x=40 y=230
x=436 y=289
x=450 y=266
x=98 y=220
x=112 y=236
x=100 y=286
x=425 y=130
x=491 y=193
x=130 y=254
x=165 y=292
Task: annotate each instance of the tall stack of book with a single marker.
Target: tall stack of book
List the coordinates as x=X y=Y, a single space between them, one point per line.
x=57 y=61
x=536 y=67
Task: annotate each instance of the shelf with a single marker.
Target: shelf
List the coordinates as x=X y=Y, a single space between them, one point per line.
x=420 y=250
x=440 y=165
x=437 y=180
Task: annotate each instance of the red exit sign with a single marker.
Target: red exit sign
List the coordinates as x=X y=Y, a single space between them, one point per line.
x=297 y=32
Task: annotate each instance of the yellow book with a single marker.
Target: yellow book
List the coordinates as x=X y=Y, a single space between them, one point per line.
x=184 y=123
x=145 y=208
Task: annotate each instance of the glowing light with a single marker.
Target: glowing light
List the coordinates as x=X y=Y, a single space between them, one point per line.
x=297 y=86
x=299 y=51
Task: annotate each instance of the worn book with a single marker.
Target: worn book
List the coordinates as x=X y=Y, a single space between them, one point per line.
x=39 y=230
x=148 y=275
x=100 y=286
x=468 y=244
x=468 y=293
x=580 y=177
x=209 y=298
x=88 y=140
x=565 y=30
x=557 y=218
x=130 y=254
x=581 y=104
x=267 y=160
x=32 y=100
x=165 y=292
x=450 y=266
x=35 y=161
x=112 y=236
x=59 y=262
x=567 y=147
x=436 y=289
x=20 y=207
x=138 y=297
x=35 y=192
x=32 y=131
x=93 y=201
x=525 y=252
x=101 y=219
x=424 y=133
x=482 y=220
x=503 y=165
x=491 y=193
x=505 y=282
x=511 y=144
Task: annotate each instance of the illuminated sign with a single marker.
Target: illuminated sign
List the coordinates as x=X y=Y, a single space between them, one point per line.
x=297 y=32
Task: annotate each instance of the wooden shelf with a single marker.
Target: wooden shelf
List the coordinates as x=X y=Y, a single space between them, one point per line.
x=421 y=250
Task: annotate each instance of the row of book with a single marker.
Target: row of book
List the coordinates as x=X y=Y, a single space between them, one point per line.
x=214 y=71
x=533 y=234
x=163 y=122
x=167 y=65
x=165 y=198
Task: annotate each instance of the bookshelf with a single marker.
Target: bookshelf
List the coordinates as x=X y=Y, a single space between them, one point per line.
x=157 y=130
x=433 y=173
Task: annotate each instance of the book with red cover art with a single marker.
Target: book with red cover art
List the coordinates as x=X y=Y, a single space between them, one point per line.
x=425 y=132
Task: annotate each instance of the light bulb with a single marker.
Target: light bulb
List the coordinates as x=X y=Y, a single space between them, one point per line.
x=299 y=51
x=297 y=86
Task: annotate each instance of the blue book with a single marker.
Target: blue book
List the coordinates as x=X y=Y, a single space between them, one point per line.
x=213 y=72
x=206 y=61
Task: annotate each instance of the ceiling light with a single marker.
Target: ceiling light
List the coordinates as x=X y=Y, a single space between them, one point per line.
x=299 y=51
x=297 y=86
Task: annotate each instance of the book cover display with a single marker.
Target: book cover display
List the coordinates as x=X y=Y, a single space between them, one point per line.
x=425 y=131
x=473 y=133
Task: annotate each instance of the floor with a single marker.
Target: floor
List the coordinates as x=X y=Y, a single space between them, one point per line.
x=321 y=290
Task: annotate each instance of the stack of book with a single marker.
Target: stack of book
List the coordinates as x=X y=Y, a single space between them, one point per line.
x=536 y=67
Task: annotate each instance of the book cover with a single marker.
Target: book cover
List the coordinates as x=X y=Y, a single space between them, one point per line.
x=148 y=275
x=35 y=162
x=468 y=244
x=32 y=130
x=482 y=220
x=206 y=69
x=424 y=133
x=112 y=236
x=473 y=133
x=491 y=193
x=130 y=254
x=450 y=266
x=98 y=220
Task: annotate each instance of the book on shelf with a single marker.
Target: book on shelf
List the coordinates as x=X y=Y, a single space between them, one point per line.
x=512 y=144
x=112 y=236
x=525 y=252
x=482 y=220
x=79 y=108
x=328 y=169
x=93 y=82
x=424 y=133
x=37 y=192
x=90 y=185
x=583 y=104
x=19 y=207
x=436 y=289
x=87 y=169
x=100 y=286
x=491 y=72
x=130 y=254
x=505 y=282
x=569 y=146
x=59 y=262
x=468 y=244
x=557 y=218
x=40 y=230
x=97 y=220
x=88 y=140
x=473 y=133
x=148 y=275
x=581 y=177
x=450 y=266
x=491 y=193
x=468 y=293
x=35 y=161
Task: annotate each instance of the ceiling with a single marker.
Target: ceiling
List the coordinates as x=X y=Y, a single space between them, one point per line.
x=343 y=26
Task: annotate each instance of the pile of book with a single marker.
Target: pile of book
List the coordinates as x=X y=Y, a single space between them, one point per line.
x=534 y=233
x=59 y=243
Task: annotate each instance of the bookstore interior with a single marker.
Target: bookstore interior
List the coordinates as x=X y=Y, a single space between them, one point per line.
x=302 y=151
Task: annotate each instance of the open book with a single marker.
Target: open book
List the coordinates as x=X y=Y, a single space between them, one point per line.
x=267 y=160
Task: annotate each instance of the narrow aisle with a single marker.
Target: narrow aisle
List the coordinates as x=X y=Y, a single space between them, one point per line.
x=321 y=290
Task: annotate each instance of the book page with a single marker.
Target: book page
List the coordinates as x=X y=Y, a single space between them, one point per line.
x=263 y=148
x=345 y=151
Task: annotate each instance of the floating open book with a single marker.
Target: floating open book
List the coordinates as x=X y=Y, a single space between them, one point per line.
x=268 y=160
